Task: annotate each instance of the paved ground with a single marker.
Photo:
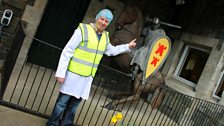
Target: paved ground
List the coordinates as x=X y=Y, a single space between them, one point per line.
x=11 y=117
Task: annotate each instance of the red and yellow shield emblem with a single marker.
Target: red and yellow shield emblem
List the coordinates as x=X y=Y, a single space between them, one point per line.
x=156 y=56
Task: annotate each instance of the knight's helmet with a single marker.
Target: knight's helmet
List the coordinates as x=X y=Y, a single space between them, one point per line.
x=154 y=22
x=150 y=24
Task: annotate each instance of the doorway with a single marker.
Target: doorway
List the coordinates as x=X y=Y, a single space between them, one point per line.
x=60 y=19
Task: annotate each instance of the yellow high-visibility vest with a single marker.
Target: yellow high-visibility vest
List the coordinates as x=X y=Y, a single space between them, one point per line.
x=87 y=56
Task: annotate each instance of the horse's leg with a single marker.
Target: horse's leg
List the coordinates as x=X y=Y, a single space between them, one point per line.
x=118 y=95
x=137 y=90
x=124 y=100
x=158 y=97
x=133 y=97
x=123 y=60
x=114 y=103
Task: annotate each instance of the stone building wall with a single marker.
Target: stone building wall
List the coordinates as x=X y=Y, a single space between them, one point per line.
x=17 y=7
x=211 y=73
x=8 y=33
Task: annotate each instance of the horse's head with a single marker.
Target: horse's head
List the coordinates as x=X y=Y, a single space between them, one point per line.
x=128 y=16
x=129 y=25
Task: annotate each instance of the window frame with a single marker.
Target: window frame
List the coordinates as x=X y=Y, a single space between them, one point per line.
x=217 y=85
x=182 y=61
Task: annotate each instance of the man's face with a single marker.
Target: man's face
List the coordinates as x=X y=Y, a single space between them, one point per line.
x=102 y=23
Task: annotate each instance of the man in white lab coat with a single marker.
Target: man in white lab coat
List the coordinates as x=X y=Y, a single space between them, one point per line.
x=78 y=64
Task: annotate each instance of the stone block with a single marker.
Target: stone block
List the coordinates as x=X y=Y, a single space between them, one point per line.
x=31 y=2
x=20 y=4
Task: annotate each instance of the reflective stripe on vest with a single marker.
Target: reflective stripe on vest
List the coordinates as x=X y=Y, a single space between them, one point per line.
x=87 y=56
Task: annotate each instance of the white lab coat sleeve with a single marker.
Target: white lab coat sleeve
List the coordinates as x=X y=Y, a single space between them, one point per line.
x=115 y=50
x=67 y=53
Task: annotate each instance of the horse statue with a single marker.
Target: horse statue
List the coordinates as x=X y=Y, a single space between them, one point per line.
x=128 y=27
x=134 y=62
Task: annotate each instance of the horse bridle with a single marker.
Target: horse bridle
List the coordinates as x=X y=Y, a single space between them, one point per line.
x=119 y=38
x=122 y=27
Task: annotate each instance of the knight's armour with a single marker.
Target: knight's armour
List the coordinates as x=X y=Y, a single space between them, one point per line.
x=141 y=54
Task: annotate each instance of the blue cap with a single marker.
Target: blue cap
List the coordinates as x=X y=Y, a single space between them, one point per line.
x=105 y=13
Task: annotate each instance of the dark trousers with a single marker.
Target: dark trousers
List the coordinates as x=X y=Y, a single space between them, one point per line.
x=64 y=111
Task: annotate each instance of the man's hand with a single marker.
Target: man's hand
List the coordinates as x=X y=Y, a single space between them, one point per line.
x=132 y=44
x=60 y=80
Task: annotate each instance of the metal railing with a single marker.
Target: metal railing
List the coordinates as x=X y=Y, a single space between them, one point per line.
x=33 y=89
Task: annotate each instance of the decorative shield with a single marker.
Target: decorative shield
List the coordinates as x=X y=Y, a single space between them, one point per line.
x=156 y=55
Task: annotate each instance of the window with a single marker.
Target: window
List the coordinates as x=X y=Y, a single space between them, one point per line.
x=191 y=64
x=220 y=87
